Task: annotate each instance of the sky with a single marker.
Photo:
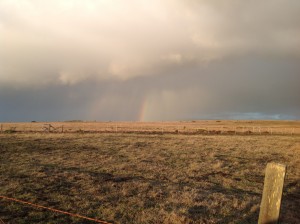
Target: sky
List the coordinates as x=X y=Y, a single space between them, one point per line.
x=141 y=60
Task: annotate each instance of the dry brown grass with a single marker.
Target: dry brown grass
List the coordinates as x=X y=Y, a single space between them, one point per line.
x=144 y=178
x=183 y=127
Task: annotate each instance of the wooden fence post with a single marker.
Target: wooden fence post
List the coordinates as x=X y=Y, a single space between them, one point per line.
x=1 y=128
x=272 y=193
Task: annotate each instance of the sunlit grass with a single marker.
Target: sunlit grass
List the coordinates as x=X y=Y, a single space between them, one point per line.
x=139 y=178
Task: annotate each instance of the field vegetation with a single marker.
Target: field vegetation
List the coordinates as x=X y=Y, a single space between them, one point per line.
x=183 y=127
x=144 y=177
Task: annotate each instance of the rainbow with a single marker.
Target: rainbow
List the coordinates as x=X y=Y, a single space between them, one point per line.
x=142 y=115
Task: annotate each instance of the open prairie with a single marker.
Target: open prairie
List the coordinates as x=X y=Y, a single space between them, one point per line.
x=168 y=172
x=183 y=127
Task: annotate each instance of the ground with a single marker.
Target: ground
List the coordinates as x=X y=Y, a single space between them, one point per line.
x=144 y=177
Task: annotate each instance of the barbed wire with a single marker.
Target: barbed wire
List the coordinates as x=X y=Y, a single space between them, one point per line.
x=52 y=209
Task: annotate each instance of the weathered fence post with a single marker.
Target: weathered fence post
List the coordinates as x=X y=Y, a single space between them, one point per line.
x=272 y=193
x=1 y=128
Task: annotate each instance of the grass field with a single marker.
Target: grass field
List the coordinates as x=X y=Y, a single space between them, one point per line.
x=183 y=127
x=144 y=177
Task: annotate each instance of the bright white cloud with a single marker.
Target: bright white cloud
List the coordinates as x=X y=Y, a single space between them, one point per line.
x=69 y=41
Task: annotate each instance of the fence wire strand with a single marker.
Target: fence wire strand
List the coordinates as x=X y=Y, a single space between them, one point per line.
x=53 y=210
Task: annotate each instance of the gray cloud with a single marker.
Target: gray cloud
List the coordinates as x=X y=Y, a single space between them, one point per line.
x=151 y=60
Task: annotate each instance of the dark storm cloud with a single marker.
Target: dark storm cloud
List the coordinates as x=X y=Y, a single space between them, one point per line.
x=258 y=87
x=149 y=60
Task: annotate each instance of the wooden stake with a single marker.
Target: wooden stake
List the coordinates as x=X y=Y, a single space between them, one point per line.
x=272 y=193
